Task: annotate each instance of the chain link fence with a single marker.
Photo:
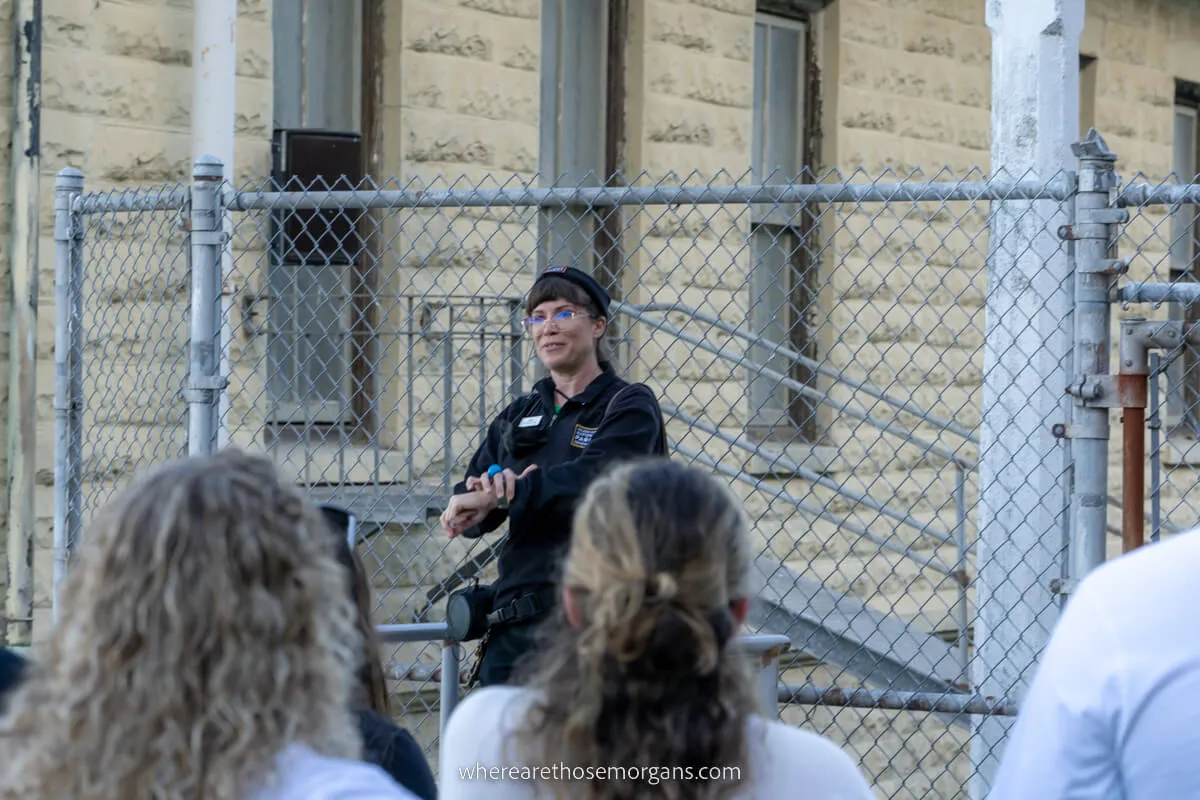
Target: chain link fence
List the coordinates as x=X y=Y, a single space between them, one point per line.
x=829 y=344
x=1159 y=243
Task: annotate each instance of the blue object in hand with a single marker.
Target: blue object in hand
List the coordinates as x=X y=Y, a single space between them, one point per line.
x=493 y=471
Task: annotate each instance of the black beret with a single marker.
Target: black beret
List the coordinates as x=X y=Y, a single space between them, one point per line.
x=583 y=281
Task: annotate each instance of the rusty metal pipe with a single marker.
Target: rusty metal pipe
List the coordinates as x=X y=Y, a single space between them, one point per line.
x=893 y=700
x=1133 y=479
x=1132 y=388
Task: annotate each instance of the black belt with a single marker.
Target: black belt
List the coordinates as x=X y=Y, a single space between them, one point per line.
x=525 y=607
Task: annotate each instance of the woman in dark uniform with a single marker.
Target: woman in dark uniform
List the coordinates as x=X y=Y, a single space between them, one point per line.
x=547 y=446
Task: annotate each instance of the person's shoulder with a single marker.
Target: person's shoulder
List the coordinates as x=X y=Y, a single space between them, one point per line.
x=483 y=729
x=304 y=774
x=787 y=756
x=521 y=404
x=627 y=394
x=374 y=724
x=1181 y=548
x=12 y=669
x=487 y=707
x=12 y=663
x=397 y=752
x=1166 y=567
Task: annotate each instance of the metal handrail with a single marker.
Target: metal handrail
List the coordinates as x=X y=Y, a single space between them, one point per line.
x=931 y=562
x=952 y=457
x=808 y=391
x=925 y=529
x=637 y=312
x=767 y=647
x=430 y=632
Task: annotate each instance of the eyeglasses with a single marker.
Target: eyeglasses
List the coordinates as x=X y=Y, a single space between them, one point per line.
x=560 y=317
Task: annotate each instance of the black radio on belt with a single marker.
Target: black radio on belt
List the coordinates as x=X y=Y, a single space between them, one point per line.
x=467 y=612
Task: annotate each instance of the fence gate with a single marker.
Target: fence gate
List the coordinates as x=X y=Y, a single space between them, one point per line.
x=876 y=364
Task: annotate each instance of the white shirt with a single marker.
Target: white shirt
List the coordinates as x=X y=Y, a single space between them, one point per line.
x=1114 y=709
x=477 y=746
x=304 y=774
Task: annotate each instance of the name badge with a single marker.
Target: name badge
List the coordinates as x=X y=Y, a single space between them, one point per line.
x=530 y=422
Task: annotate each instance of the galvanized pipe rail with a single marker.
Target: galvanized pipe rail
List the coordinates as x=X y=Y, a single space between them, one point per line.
x=767 y=648
x=639 y=312
x=889 y=700
x=170 y=197
x=784 y=380
x=614 y=196
x=923 y=561
x=922 y=528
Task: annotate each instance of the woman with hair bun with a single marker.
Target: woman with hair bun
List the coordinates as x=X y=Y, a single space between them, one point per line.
x=636 y=691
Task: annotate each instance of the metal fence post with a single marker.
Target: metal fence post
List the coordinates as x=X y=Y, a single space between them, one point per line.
x=765 y=649
x=1026 y=359
x=1095 y=275
x=205 y=381
x=68 y=405
x=451 y=658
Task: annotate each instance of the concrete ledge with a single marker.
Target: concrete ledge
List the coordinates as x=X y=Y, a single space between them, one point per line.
x=383 y=505
x=779 y=460
x=1179 y=451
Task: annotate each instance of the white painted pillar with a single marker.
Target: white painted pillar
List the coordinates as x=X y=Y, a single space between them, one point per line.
x=214 y=81
x=1027 y=352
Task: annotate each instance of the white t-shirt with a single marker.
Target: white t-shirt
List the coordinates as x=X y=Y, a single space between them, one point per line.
x=787 y=762
x=1113 y=711
x=304 y=774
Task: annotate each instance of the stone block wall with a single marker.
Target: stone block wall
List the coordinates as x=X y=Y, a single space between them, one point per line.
x=117 y=86
x=460 y=111
x=690 y=99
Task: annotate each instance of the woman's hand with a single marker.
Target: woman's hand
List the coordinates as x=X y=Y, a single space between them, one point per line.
x=502 y=484
x=481 y=498
x=465 y=510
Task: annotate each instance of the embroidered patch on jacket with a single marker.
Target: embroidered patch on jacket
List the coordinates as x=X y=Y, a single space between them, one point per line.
x=582 y=436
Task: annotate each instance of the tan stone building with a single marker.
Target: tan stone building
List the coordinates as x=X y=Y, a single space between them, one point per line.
x=490 y=94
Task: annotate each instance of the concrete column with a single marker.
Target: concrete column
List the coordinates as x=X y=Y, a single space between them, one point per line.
x=1027 y=350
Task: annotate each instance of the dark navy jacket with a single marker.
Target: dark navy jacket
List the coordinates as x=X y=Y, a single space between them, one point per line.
x=392 y=748
x=12 y=670
x=570 y=447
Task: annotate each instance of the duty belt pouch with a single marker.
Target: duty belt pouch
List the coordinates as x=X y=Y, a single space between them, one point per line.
x=467 y=612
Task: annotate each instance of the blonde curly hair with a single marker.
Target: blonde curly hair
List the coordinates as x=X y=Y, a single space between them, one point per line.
x=659 y=553
x=206 y=626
